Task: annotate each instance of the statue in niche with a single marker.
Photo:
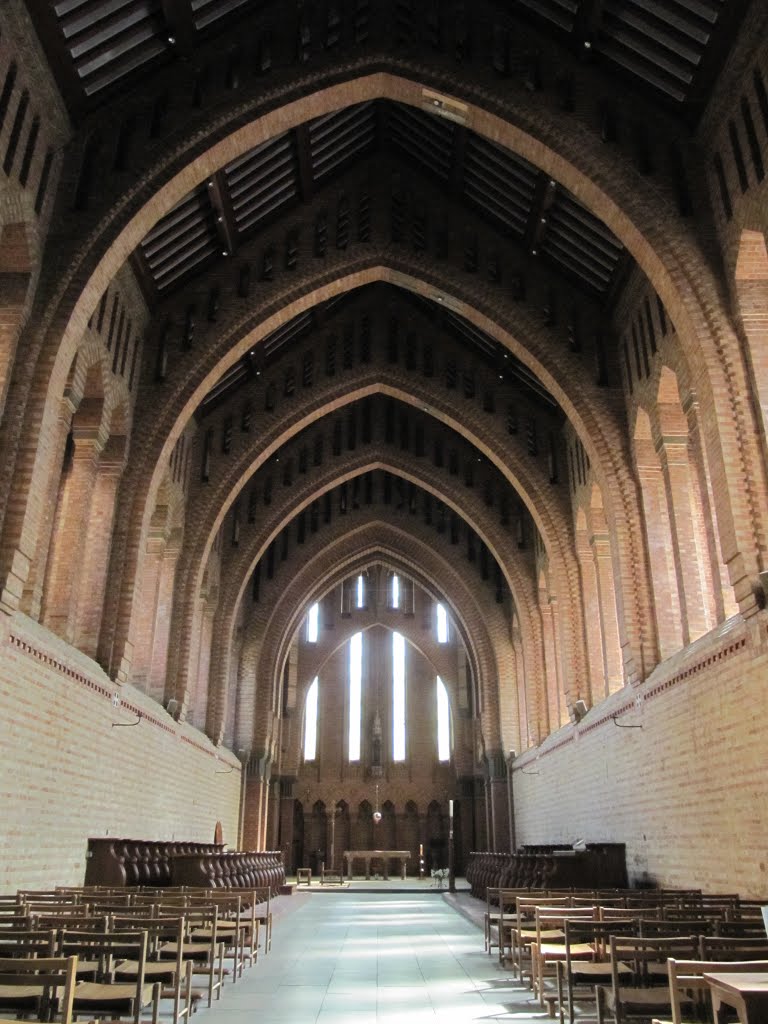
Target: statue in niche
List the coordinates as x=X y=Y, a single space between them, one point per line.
x=376 y=765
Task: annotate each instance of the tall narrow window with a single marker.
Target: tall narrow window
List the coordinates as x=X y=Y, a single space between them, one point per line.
x=313 y=618
x=360 y=592
x=395 y=591
x=442 y=625
x=443 y=723
x=355 y=694
x=398 y=697
x=310 y=723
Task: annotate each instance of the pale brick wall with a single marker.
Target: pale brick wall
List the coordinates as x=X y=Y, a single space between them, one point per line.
x=66 y=774
x=688 y=793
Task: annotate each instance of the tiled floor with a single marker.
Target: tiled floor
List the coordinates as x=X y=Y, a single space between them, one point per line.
x=364 y=957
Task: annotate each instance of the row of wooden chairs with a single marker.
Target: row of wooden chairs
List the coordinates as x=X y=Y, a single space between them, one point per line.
x=543 y=936
x=130 y=953
x=610 y=963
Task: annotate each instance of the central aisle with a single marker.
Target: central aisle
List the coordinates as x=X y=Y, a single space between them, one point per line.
x=372 y=958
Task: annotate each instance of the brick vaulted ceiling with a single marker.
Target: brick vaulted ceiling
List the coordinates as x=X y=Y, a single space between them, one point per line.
x=518 y=222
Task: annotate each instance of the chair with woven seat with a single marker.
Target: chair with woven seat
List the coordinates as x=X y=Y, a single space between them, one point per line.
x=522 y=932
x=32 y=985
x=105 y=996
x=578 y=971
x=545 y=952
x=644 y=991
x=499 y=902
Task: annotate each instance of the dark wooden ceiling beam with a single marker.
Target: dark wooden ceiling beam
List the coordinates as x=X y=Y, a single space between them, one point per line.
x=459 y=153
x=144 y=277
x=221 y=201
x=181 y=26
x=54 y=45
x=586 y=24
x=544 y=196
x=304 y=162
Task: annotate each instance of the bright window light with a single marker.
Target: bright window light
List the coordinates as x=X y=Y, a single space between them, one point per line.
x=310 y=722
x=395 y=591
x=442 y=625
x=355 y=694
x=443 y=723
x=313 y=619
x=398 y=697
x=360 y=592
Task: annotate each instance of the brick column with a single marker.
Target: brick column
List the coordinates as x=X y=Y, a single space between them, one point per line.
x=28 y=568
x=162 y=615
x=612 y=662
x=594 y=688
x=93 y=579
x=72 y=527
x=257 y=782
x=286 y=836
x=273 y=815
x=686 y=539
x=498 y=799
x=467 y=816
x=659 y=547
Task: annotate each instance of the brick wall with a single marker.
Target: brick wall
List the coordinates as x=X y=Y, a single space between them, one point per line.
x=687 y=793
x=66 y=774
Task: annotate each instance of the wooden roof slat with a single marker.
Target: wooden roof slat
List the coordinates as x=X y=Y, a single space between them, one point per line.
x=266 y=151
x=573 y=255
x=252 y=185
x=503 y=186
x=665 y=14
x=102 y=15
x=262 y=190
x=620 y=55
x=569 y=232
x=187 y=268
x=663 y=39
x=190 y=243
x=333 y=124
x=245 y=222
x=217 y=9
x=331 y=140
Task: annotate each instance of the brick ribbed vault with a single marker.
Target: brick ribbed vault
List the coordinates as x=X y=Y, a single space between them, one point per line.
x=343 y=552
x=663 y=247
x=599 y=424
x=517 y=568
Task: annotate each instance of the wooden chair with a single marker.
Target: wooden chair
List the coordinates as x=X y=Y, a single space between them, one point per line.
x=237 y=927
x=638 y=996
x=497 y=901
x=174 y=976
x=262 y=898
x=687 y=987
x=303 y=876
x=726 y=947
x=205 y=954
x=656 y=927
x=523 y=931
x=106 y=997
x=545 y=952
x=577 y=972
x=23 y=943
x=31 y=985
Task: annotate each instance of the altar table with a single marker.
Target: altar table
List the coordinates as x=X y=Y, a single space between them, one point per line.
x=383 y=855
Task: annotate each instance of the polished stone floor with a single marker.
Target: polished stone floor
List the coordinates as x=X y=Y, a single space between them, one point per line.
x=375 y=954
